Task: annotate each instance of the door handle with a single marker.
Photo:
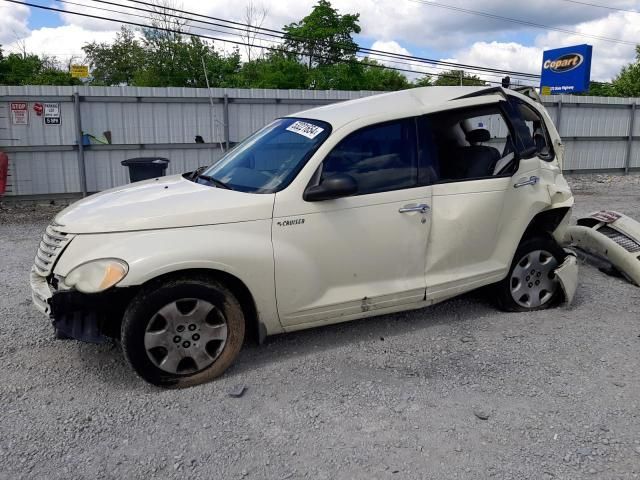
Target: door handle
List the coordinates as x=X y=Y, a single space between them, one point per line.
x=532 y=181
x=421 y=207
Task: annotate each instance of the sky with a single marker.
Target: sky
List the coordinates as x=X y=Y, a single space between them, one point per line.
x=422 y=28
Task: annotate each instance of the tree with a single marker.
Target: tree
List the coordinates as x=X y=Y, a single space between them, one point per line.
x=627 y=82
x=338 y=76
x=178 y=63
x=254 y=17
x=29 y=69
x=452 y=78
x=16 y=69
x=601 y=89
x=375 y=77
x=324 y=37
x=425 y=81
x=275 y=70
x=116 y=63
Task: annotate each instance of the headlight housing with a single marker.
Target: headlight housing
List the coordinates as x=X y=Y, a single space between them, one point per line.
x=97 y=275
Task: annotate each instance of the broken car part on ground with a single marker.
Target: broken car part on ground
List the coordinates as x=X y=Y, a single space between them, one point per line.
x=613 y=237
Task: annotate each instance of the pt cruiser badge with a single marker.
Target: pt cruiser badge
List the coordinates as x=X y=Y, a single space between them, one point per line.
x=288 y=223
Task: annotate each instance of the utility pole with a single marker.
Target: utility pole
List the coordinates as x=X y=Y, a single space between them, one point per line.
x=461 y=76
x=214 y=126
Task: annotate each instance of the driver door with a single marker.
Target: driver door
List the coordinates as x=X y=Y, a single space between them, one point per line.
x=350 y=257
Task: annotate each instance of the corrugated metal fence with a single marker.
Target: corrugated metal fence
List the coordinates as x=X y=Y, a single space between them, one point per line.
x=600 y=133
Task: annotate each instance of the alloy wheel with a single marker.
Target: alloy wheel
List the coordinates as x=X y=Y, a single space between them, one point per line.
x=533 y=282
x=185 y=336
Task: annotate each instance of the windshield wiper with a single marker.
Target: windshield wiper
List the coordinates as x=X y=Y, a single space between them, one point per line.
x=217 y=183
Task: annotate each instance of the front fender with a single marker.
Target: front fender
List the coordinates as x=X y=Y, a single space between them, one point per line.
x=241 y=249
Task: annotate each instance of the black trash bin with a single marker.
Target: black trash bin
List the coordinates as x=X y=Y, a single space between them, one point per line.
x=145 y=168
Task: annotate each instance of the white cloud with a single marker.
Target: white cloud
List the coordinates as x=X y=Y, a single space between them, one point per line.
x=405 y=21
x=419 y=68
x=608 y=57
x=62 y=42
x=393 y=24
x=421 y=24
x=13 y=22
x=506 y=56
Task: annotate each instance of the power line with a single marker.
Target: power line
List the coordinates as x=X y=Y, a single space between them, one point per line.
x=281 y=34
x=170 y=30
x=400 y=61
x=521 y=22
x=413 y=71
x=601 y=6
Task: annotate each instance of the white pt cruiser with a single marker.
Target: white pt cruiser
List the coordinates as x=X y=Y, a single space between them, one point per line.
x=382 y=204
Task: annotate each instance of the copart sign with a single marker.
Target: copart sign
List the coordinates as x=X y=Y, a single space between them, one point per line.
x=566 y=70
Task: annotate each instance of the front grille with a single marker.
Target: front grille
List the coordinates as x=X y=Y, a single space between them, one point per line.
x=53 y=242
x=629 y=244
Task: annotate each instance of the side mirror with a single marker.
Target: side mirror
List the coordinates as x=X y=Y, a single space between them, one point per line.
x=528 y=153
x=336 y=186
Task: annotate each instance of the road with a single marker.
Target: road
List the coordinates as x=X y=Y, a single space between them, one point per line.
x=397 y=396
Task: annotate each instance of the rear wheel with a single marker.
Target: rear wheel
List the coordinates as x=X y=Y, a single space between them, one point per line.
x=531 y=283
x=183 y=331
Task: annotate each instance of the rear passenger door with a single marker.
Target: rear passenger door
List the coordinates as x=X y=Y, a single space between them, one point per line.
x=468 y=200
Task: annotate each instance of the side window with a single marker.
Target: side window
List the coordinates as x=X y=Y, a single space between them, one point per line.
x=495 y=124
x=465 y=144
x=380 y=158
x=536 y=131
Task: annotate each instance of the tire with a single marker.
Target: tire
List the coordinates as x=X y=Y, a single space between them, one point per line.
x=182 y=331
x=531 y=283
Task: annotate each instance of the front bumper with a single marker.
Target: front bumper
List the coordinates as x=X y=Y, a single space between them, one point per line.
x=87 y=317
x=40 y=292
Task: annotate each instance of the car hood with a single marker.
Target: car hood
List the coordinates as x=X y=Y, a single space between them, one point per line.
x=166 y=202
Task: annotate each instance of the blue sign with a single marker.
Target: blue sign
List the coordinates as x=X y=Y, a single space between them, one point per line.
x=566 y=70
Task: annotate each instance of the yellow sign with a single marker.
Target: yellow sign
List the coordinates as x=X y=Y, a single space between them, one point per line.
x=545 y=90
x=79 y=71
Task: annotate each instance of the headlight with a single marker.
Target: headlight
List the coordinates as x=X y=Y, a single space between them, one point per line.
x=97 y=275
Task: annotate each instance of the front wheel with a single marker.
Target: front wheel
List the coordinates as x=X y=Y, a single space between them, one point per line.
x=182 y=332
x=532 y=283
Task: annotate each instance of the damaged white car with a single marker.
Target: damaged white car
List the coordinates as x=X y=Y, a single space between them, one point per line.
x=378 y=205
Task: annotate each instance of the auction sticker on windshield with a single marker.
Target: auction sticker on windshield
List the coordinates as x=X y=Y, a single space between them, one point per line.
x=305 y=129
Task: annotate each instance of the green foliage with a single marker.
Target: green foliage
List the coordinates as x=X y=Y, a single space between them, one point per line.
x=601 y=89
x=324 y=37
x=319 y=52
x=160 y=59
x=426 y=81
x=338 y=76
x=376 y=78
x=276 y=70
x=178 y=62
x=116 y=63
x=452 y=78
x=32 y=70
x=627 y=83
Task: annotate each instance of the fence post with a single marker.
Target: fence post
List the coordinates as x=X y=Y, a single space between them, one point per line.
x=559 y=116
x=627 y=161
x=82 y=174
x=226 y=120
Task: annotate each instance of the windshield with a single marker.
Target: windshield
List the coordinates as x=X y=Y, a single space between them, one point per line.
x=269 y=160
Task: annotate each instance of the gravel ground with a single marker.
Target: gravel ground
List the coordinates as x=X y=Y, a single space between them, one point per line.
x=397 y=396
